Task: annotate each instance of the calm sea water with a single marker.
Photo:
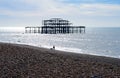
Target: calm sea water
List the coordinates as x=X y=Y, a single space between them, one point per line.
x=96 y=41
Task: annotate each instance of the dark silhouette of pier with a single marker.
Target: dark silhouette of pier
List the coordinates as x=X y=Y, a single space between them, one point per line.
x=55 y=26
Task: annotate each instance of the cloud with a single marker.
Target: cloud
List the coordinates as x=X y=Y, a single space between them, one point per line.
x=54 y=7
x=34 y=9
x=40 y=8
x=100 y=9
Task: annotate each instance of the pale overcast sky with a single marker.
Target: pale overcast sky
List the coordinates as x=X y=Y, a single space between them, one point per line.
x=91 y=13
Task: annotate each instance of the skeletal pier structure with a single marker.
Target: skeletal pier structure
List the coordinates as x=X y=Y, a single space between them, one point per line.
x=55 y=26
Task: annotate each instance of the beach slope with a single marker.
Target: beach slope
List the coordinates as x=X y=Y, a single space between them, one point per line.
x=23 y=61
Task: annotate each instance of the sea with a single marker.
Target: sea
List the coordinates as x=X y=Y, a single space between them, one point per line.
x=100 y=41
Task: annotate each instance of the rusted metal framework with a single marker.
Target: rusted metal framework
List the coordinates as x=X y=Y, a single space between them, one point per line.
x=55 y=26
x=58 y=25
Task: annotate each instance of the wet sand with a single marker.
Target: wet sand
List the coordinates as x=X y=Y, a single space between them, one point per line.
x=24 y=61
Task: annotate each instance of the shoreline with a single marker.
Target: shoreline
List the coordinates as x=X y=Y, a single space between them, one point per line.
x=58 y=49
x=18 y=60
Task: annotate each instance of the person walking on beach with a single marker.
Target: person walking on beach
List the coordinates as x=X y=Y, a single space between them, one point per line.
x=53 y=47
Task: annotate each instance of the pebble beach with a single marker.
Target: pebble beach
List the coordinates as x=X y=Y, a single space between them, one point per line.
x=25 y=61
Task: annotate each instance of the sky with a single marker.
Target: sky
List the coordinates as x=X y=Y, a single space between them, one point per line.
x=91 y=13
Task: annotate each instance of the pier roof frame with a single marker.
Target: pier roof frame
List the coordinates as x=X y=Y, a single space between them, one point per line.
x=56 y=22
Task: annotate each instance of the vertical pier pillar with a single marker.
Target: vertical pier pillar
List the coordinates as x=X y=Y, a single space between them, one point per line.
x=80 y=29
x=84 y=30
